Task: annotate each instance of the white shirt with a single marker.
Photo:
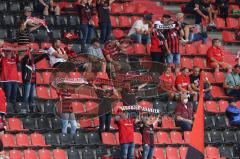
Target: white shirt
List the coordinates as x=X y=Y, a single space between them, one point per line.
x=54 y=59
x=138 y=25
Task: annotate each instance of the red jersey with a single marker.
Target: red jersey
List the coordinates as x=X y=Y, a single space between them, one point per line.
x=184 y=81
x=167 y=82
x=9 y=70
x=126 y=131
x=2 y=101
x=156 y=44
x=216 y=53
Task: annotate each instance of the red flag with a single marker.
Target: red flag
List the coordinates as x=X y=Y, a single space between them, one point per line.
x=196 y=145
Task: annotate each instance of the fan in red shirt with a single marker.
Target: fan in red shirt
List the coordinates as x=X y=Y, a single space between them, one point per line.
x=9 y=76
x=183 y=83
x=167 y=83
x=126 y=135
x=215 y=56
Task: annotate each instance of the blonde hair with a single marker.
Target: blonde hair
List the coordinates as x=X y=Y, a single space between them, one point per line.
x=179 y=15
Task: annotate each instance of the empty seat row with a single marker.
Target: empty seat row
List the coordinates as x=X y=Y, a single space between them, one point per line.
x=52 y=154
x=225 y=137
x=218 y=107
x=131 y=8
x=216 y=121
x=49 y=139
x=229 y=37
x=231 y=23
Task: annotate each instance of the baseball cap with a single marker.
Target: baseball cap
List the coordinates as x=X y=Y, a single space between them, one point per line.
x=27 y=9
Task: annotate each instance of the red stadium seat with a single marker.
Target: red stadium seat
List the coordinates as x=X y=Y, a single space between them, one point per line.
x=219 y=77
x=114 y=21
x=137 y=138
x=44 y=154
x=202 y=49
x=212 y=152
x=168 y=123
x=176 y=137
x=210 y=77
x=59 y=154
x=116 y=8
x=183 y=152
x=211 y=106
x=46 y=77
x=108 y=138
x=140 y=49
x=186 y=137
x=77 y=107
x=220 y=23
x=15 y=124
x=232 y=23
x=91 y=107
x=74 y=74
x=238 y=104
x=42 y=92
x=118 y=34
x=39 y=79
x=218 y=92
x=222 y=106
x=30 y=154
x=158 y=153
x=162 y=138
x=8 y=140
x=129 y=8
x=85 y=123
x=186 y=62
x=37 y=140
x=54 y=94
x=172 y=153
x=199 y=62
x=96 y=122
x=141 y=8
x=15 y=154
x=22 y=140
x=228 y=37
x=190 y=49
x=124 y=21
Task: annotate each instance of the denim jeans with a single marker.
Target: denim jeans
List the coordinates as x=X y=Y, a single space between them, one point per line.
x=65 y=122
x=105 y=122
x=147 y=152
x=141 y=38
x=197 y=37
x=185 y=126
x=29 y=92
x=106 y=29
x=173 y=58
x=11 y=89
x=87 y=31
x=127 y=151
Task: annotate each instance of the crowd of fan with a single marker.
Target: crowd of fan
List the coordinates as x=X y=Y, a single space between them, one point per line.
x=163 y=37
